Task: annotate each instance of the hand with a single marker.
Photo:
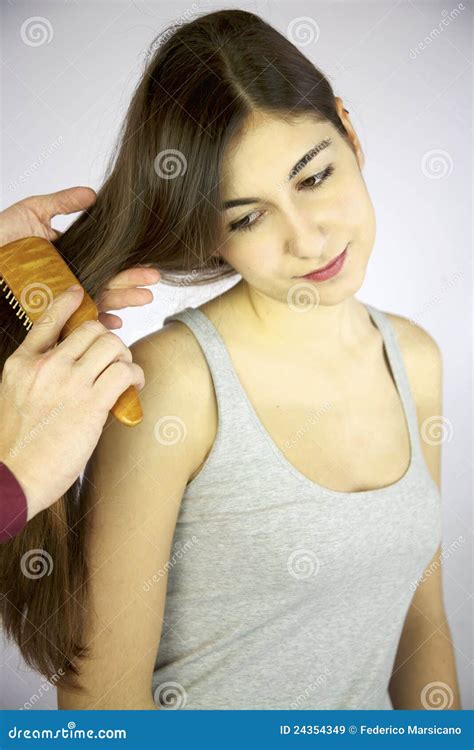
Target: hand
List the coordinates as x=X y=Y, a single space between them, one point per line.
x=123 y=291
x=55 y=400
x=31 y=217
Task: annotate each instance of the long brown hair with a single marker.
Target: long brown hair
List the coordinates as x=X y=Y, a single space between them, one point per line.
x=158 y=205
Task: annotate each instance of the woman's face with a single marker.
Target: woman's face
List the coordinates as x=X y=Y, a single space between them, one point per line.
x=284 y=228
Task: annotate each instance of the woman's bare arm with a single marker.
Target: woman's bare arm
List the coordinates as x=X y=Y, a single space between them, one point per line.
x=424 y=672
x=425 y=652
x=136 y=479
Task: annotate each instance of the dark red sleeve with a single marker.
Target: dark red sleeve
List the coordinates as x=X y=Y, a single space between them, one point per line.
x=13 y=505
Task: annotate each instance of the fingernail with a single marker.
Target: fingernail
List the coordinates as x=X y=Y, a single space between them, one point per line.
x=153 y=274
x=74 y=288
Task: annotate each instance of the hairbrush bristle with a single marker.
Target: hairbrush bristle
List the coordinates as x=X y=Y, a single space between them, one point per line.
x=21 y=313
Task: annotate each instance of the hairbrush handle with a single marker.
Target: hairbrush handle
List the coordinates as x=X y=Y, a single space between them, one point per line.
x=127 y=409
x=32 y=266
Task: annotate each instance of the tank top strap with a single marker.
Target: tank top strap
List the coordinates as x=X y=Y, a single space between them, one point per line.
x=232 y=400
x=229 y=393
x=397 y=365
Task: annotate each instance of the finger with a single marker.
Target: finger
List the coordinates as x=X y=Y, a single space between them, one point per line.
x=110 y=321
x=116 y=299
x=65 y=201
x=135 y=276
x=103 y=352
x=76 y=344
x=115 y=380
x=53 y=234
x=44 y=333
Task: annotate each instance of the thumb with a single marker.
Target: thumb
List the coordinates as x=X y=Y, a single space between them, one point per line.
x=65 y=201
x=44 y=334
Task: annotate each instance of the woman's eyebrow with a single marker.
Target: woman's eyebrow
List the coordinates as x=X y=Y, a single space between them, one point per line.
x=300 y=164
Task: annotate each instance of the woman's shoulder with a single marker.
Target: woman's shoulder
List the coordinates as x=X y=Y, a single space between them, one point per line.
x=173 y=353
x=414 y=339
x=178 y=386
x=424 y=367
x=422 y=358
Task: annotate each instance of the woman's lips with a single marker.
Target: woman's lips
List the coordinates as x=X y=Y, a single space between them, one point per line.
x=328 y=271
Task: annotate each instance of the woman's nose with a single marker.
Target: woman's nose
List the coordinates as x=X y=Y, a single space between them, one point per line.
x=307 y=240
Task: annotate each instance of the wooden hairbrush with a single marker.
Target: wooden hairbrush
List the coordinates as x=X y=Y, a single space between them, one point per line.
x=32 y=269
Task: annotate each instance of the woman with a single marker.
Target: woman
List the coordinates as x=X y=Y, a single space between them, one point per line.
x=258 y=539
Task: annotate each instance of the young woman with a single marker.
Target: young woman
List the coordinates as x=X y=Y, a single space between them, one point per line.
x=259 y=541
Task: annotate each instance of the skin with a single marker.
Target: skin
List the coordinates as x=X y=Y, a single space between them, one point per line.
x=300 y=231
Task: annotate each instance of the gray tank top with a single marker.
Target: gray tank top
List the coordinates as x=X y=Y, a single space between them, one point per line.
x=283 y=594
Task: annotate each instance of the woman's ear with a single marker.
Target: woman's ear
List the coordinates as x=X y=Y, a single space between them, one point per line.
x=352 y=135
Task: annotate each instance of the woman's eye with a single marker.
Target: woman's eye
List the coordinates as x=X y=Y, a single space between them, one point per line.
x=246 y=224
x=321 y=176
x=241 y=226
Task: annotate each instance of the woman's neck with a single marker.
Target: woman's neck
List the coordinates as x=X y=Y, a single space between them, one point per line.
x=330 y=331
